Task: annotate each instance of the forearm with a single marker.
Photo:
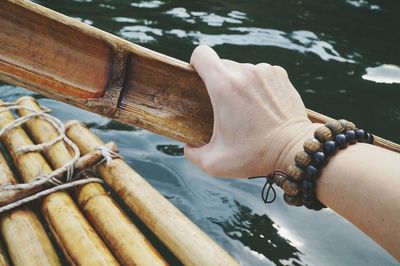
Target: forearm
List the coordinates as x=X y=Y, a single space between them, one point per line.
x=362 y=184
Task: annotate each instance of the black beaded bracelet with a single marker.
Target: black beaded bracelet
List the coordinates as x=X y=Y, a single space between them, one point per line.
x=299 y=181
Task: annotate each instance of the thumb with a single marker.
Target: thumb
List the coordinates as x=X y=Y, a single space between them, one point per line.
x=207 y=64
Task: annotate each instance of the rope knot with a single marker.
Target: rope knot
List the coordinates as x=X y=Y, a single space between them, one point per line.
x=108 y=154
x=55 y=178
x=268 y=186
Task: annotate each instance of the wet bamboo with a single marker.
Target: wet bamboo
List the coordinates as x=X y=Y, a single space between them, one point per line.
x=73 y=233
x=191 y=245
x=123 y=238
x=24 y=236
x=89 y=160
x=107 y=75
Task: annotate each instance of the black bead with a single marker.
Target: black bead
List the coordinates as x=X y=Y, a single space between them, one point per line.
x=311 y=172
x=318 y=159
x=360 y=135
x=369 y=138
x=307 y=186
x=318 y=205
x=329 y=147
x=341 y=141
x=306 y=196
x=309 y=204
x=351 y=136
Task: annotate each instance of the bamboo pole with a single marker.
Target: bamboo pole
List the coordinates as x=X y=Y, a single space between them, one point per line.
x=191 y=245
x=24 y=236
x=107 y=75
x=122 y=237
x=76 y=238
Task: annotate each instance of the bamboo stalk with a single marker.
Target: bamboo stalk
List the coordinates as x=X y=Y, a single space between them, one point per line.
x=24 y=236
x=107 y=75
x=122 y=237
x=76 y=238
x=191 y=245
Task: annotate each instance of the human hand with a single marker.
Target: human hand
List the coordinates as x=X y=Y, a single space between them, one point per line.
x=259 y=118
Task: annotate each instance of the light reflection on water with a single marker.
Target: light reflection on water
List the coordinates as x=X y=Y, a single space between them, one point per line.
x=148 y=4
x=300 y=41
x=326 y=62
x=383 y=74
x=211 y=19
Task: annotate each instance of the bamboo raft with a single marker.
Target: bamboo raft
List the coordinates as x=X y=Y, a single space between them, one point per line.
x=122 y=81
x=88 y=226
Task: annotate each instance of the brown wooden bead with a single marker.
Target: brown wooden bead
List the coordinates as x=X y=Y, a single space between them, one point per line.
x=350 y=126
x=302 y=159
x=279 y=179
x=347 y=125
x=290 y=188
x=343 y=122
x=323 y=134
x=312 y=145
x=293 y=200
x=335 y=126
x=295 y=172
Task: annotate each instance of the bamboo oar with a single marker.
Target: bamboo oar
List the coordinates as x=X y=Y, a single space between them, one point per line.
x=191 y=245
x=122 y=237
x=24 y=236
x=77 y=239
x=70 y=61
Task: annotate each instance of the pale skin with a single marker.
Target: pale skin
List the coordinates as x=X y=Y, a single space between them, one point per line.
x=260 y=123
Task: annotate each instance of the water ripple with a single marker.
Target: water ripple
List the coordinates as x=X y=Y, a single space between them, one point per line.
x=140 y=33
x=301 y=41
x=148 y=4
x=363 y=4
x=383 y=74
x=211 y=19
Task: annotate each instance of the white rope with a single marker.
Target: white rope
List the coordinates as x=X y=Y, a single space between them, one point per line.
x=108 y=155
x=59 y=126
x=46 y=192
x=55 y=177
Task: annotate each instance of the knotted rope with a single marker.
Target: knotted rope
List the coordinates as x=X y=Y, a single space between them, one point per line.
x=55 y=177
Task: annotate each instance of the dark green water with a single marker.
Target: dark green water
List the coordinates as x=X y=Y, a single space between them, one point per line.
x=326 y=46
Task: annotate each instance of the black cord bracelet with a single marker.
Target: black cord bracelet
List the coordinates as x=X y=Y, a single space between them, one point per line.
x=299 y=181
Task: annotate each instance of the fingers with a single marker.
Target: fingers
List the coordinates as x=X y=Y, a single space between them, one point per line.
x=264 y=66
x=235 y=66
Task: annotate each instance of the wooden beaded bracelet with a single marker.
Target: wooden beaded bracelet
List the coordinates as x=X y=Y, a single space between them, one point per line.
x=299 y=181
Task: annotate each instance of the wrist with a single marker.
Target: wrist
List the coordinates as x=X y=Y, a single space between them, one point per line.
x=292 y=142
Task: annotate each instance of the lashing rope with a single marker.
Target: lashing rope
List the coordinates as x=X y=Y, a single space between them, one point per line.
x=71 y=179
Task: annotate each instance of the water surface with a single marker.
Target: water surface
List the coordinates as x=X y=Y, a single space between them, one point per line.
x=336 y=52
